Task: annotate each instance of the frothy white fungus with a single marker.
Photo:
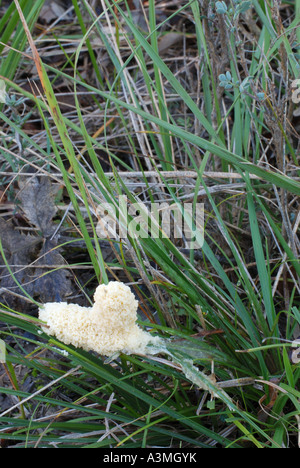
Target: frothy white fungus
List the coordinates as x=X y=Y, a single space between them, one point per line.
x=107 y=328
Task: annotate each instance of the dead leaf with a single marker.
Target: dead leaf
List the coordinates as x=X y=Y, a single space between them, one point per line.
x=265 y=411
x=36 y=195
x=13 y=241
x=51 y=10
x=34 y=260
x=53 y=282
x=19 y=251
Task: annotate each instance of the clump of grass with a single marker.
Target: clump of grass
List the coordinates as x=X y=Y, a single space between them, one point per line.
x=203 y=122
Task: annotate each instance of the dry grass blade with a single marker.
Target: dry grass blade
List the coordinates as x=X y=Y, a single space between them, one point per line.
x=49 y=385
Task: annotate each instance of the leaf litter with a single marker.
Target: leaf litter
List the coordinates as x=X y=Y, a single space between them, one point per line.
x=32 y=263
